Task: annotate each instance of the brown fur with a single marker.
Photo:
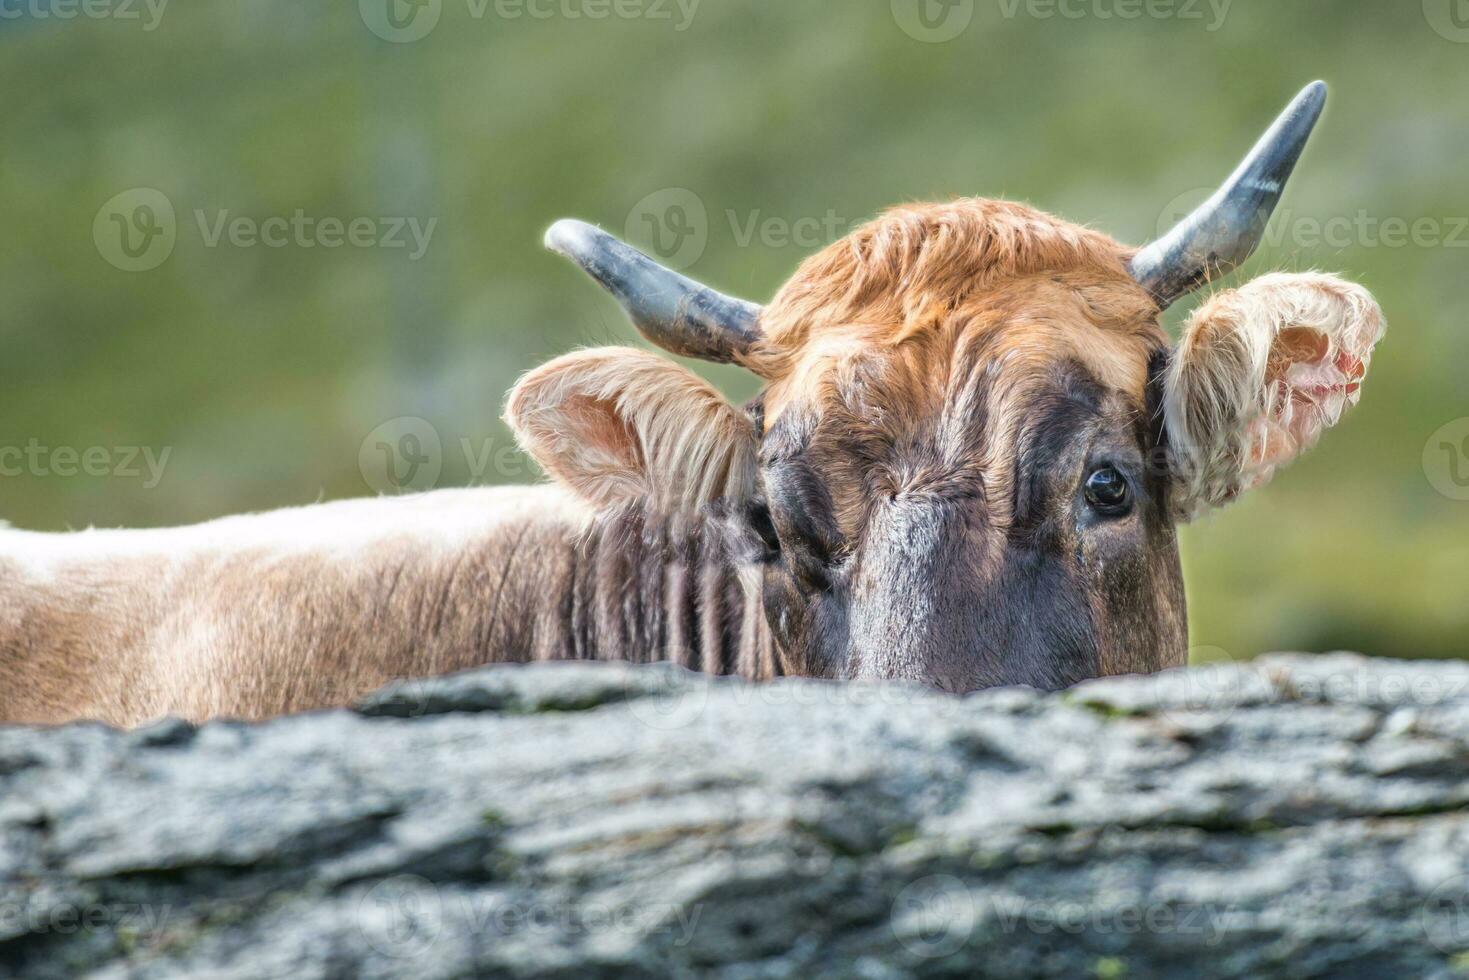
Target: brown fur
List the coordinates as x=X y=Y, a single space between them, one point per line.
x=255 y=632
x=892 y=327
x=923 y=268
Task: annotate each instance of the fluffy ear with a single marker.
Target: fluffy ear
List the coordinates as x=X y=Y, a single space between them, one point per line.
x=1260 y=373
x=619 y=425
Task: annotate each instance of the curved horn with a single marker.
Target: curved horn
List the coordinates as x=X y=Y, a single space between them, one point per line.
x=671 y=310
x=1227 y=228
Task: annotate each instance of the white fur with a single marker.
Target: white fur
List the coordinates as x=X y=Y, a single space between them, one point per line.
x=1239 y=405
x=343 y=529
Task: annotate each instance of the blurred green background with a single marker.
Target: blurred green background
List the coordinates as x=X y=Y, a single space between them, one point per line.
x=748 y=134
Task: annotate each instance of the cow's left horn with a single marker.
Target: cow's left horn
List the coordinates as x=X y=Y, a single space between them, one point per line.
x=1227 y=228
x=671 y=310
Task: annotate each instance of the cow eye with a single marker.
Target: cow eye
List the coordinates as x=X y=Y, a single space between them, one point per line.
x=1108 y=492
x=760 y=522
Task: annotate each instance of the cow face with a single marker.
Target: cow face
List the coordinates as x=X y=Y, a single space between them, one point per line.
x=976 y=441
x=961 y=464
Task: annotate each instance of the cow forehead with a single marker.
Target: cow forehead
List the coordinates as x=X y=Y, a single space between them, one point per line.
x=945 y=287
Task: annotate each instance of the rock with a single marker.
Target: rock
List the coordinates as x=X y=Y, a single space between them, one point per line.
x=1299 y=816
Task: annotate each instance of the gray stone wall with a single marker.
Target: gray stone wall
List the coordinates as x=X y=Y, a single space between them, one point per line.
x=1299 y=817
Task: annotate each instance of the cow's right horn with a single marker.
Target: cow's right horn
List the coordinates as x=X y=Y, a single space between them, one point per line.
x=671 y=310
x=1227 y=228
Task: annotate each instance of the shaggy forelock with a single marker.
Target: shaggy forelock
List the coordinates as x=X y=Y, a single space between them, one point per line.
x=927 y=285
x=916 y=266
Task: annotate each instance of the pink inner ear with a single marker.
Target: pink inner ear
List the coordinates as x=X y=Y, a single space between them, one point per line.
x=1310 y=380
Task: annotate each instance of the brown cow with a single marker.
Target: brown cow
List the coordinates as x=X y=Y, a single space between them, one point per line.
x=965 y=470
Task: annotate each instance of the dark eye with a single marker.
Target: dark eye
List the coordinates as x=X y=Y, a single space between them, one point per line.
x=760 y=522
x=1108 y=492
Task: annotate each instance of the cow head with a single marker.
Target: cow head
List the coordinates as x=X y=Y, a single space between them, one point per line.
x=976 y=440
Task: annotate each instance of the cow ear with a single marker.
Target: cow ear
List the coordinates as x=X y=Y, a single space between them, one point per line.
x=618 y=425
x=1260 y=373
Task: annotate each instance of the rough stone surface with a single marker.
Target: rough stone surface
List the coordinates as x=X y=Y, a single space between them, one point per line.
x=1298 y=817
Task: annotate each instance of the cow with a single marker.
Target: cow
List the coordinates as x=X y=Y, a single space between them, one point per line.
x=966 y=469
